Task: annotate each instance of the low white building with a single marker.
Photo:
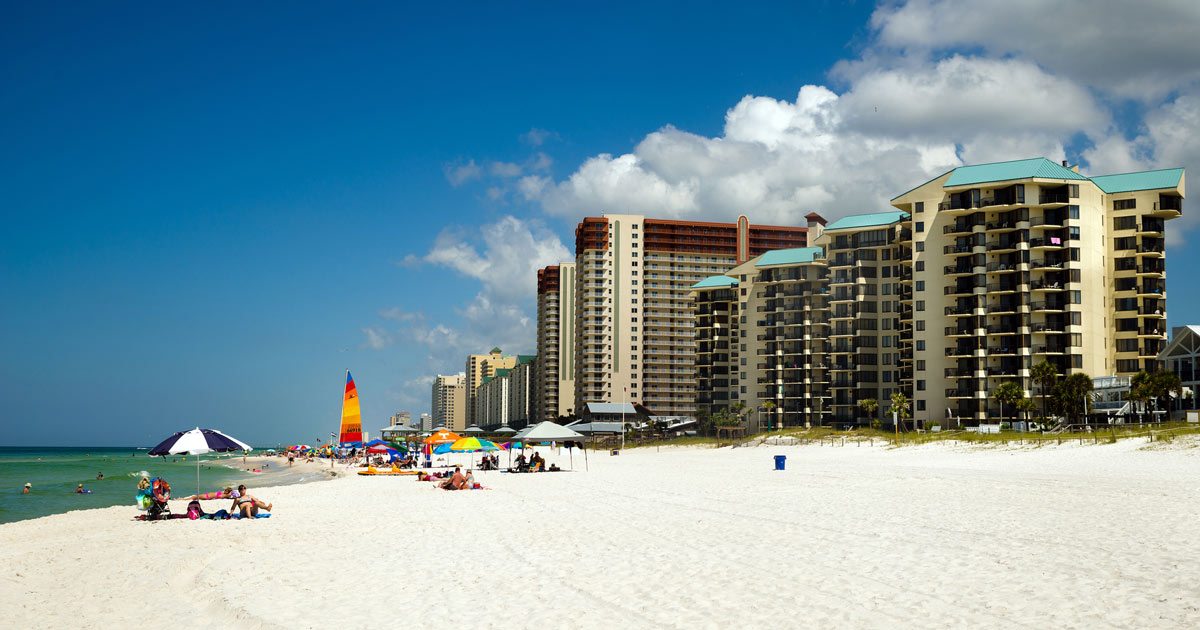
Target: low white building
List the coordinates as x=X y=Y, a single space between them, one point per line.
x=1182 y=356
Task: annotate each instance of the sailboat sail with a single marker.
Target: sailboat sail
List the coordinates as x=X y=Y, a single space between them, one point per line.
x=351 y=415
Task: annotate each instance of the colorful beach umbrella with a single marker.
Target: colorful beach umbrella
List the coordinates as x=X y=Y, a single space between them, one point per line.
x=442 y=437
x=473 y=445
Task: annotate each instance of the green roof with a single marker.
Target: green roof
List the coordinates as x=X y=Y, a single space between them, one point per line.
x=1144 y=180
x=503 y=372
x=486 y=380
x=788 y=256
x=715 y=281
x=866 y=220
x=1004 y=171
x=525 y=358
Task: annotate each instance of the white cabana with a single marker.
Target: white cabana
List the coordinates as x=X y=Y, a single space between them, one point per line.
x=550 y=432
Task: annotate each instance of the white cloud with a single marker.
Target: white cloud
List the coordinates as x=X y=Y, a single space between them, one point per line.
x=505 y=169
x=1141 y=50
x=459 y=174
x=376 y=338
x=513 y=251
x=400 y=315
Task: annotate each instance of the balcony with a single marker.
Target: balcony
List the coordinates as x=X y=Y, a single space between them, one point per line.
x=1168 y=203
x=1053 y=198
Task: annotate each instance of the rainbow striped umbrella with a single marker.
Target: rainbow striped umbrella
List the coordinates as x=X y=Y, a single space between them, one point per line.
x=473 y=445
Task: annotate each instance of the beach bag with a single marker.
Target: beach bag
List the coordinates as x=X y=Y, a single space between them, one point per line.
x=193 y=510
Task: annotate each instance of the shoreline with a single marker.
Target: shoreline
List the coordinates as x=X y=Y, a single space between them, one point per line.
x=861 y=536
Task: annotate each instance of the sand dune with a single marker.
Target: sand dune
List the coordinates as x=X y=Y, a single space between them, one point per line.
x=864 y=537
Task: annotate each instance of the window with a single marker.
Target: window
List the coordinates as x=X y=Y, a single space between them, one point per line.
x=1073 y=232
x=633 y=319
x=920 y=404
x=920 y=365
x=1125 y=223
x=887 y=341
x=633 y=328
x=1073 y=191
x=920 y=385
x=920 y=285
x=634 y=263
x=633 y=282
x=920 y=226
x=1124 y=204
x=920 y=246
x=920 y=305
x=920 y=344
x=1020 y=188
x=887 y=376
x=920 y=265
x=920 y=324
x=1076 y=297
x=919 y=206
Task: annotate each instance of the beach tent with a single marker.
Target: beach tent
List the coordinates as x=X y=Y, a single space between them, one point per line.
x=506 y=429
x=550 y=432
x=474 y=430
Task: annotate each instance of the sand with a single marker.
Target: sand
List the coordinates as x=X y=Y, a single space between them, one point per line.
x=1096 y=536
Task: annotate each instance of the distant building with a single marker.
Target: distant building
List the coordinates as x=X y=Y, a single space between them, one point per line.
x=401 y=418
x=554 y=372
x=425 y=423
x=506 y=399
x=449 y=402
x=479 y=367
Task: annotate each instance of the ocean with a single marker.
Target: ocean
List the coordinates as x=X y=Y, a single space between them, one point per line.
x=55 y=473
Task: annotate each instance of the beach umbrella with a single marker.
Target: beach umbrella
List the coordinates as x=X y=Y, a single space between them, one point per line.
x=442 y=437
x=197 y=442
x=473 y=445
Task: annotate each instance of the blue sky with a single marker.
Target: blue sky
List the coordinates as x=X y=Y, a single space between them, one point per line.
x=210 y=214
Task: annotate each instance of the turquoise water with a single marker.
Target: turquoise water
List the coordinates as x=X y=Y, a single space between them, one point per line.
x=55 y=472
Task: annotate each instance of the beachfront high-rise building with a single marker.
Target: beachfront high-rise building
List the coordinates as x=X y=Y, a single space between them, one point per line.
x=554 y=372
x=634 y=332
x=479 y=367
x=425 y=423
x=449 y=404
x=401 y=418
x=505 y=400
x=1027 y=261
x=978 y=275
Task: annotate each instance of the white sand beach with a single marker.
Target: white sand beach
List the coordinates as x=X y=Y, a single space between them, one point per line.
x=1096 y=536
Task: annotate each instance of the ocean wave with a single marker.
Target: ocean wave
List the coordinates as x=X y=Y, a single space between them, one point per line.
x=138 y=475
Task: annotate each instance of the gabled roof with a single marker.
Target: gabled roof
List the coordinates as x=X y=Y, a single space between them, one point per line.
x=715 y=281
x=788 y=256
x=522 y=359
x=866 y=220
x=1016 y=169
x=1144 y=180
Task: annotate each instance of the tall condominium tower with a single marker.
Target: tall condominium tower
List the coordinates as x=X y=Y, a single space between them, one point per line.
x=634 y=319
x=505 y=399
x=1021 y=262
x=449 y=404
x=479 y=367
x=554 y=370
x=980 y=274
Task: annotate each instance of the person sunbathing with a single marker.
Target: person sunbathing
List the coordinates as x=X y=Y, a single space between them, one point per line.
x=247 y=504
x=456 y=482
x=227 y=493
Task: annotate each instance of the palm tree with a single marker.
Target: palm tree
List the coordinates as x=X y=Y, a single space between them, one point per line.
x=900 y=406
x=1008 y=394
x=1071 y=391
x=769 y=407
x=869 y=405
x=1044 y=374
x=1025 y=406
x=1163 y=384
x=1140 y=391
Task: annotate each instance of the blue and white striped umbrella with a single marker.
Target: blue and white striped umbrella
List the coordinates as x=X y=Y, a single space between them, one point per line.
x=199 y=441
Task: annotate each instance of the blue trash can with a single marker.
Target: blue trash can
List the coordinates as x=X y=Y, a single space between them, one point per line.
x=780 y=460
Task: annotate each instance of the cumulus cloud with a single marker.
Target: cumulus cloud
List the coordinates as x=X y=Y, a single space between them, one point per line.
x=397 y=314
x=459 y=174
x=505 y=169
x=1133 y=50
x=938 y=84
x=506 y=259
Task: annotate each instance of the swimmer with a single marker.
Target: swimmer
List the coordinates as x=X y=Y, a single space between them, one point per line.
x=28 y=487
x=79 y=489
x=99 y=475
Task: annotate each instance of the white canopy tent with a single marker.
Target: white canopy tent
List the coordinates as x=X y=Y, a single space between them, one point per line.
x=550 y=432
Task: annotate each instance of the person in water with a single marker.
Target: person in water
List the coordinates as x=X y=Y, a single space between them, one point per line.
x=99 y=475
x=79 y=489
x=28 y=487
x=227 y=493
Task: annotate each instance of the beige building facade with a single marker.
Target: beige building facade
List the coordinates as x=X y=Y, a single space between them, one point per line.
x=479 y=367
x=554 y=371
x=634 y=324
x=978 y=275
x=449 y=403
x=506 y=399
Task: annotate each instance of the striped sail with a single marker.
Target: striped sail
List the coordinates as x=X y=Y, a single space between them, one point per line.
x=351 y=415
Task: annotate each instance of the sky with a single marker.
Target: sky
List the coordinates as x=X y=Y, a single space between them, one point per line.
x=210 y=213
